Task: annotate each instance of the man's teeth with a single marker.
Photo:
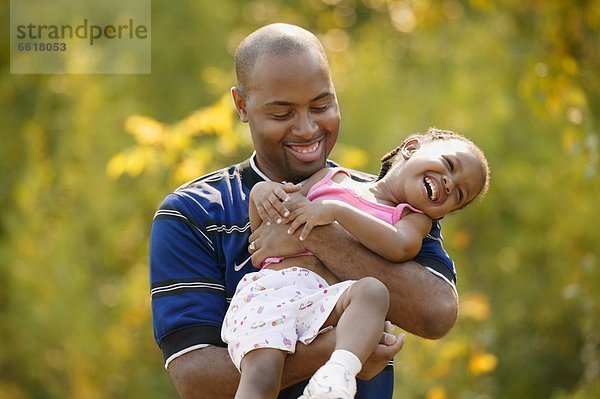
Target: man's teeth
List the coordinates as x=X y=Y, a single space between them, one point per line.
x=306 y=150
x=432 y=190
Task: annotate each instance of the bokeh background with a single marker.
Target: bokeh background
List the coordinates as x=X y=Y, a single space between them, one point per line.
x=86 y=159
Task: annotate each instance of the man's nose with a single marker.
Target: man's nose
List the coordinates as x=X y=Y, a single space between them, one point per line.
x=306 y=126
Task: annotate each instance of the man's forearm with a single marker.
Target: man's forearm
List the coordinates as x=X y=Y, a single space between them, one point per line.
x=307 y=359
x=420 y=302
x=209 y=373
x=206 y=373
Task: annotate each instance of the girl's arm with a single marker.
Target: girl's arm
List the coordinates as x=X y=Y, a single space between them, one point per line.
x=397 y=243
x=267 y=201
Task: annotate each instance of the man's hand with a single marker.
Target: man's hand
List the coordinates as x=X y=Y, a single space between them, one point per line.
x=273 y=240
x=385 y=351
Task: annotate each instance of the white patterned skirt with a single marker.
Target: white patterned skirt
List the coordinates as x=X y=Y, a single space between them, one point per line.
x=277 y=308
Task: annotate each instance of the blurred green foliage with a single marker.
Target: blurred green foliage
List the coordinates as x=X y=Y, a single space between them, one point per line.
x=85 y=161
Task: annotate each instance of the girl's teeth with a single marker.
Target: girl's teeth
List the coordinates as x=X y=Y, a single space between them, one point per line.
x=433 y=187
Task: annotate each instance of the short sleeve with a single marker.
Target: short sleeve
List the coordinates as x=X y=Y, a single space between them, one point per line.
x=187 y=284
x=433 y=256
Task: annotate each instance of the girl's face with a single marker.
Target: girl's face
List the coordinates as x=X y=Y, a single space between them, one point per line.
x=436 y=177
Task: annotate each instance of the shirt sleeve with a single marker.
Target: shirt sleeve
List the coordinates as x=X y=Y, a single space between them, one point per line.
x=435 y=258
x=187 y=284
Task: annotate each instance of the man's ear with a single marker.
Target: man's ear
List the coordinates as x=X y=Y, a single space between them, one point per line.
x=409 y=148
x=240 y=103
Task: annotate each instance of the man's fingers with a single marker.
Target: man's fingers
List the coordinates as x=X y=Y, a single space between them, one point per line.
x=388 y=339
x=291 y=188
x=388 y=327
x=400 y=341
x=389 y=336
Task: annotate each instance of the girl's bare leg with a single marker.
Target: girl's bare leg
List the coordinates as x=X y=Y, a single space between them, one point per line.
x=360 y=317
x=361 y=311
x=261 y=374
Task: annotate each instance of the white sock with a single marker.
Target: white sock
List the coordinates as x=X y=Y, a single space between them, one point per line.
x=346 y=359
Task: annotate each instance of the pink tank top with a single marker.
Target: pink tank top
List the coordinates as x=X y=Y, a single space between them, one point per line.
x=326 y=188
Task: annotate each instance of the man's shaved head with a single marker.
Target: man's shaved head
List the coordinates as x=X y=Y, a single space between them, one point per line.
x=275 y=39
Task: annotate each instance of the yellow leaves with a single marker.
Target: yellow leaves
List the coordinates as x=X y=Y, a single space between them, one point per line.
x=570 y=66
x=12 y=390
x=217 y=119
x=188 y=169
x=462 y=353
x=475 y=305
x=482 y=362
x=185 y=148
x=461 y=238
x=403 y=17
x=484 y=5
x=145 y=130
x=446 y=356
x=132 y=162
x=215 y=78
x=570 y=138
x=351 y=157
x=437 y=392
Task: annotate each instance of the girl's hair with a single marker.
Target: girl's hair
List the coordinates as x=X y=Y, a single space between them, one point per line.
x=433 y=134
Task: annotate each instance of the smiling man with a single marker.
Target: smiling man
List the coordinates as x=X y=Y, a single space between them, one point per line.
x=199 y=242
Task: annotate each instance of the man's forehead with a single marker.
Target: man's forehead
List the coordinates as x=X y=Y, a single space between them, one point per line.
x=294 y=58
x=283 y=78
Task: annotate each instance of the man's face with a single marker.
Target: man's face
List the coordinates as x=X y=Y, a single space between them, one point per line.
x=292 y=110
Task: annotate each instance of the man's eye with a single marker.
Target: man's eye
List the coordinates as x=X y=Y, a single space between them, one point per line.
x=282 y=116
x=460 y=195
x=450 y=164
x=320 y=108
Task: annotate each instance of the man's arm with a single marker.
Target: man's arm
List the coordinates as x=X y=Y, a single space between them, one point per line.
x=209 y=372
x=397 y=243
x=204 y=373
x=420 y=302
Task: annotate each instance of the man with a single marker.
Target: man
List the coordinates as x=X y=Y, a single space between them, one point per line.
x=199 y=243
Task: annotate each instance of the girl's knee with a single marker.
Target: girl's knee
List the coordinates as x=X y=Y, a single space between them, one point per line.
x=263 y=361
x=372 y=290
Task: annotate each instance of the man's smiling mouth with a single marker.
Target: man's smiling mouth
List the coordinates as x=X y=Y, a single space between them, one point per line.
x=306 y=149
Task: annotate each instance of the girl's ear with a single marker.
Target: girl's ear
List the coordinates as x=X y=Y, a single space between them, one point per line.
x=240 y=103
x=409 y=148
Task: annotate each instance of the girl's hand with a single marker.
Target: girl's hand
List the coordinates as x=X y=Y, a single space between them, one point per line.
x=269 y=199
x=317 y=213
